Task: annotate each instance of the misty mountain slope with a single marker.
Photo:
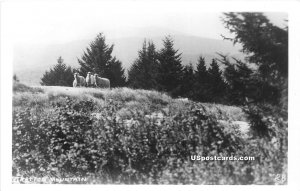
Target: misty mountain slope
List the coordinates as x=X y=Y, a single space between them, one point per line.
x=32 y=60
x=191 y=48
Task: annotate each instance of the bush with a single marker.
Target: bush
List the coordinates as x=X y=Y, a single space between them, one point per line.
x=79 y=139
x=269 y=127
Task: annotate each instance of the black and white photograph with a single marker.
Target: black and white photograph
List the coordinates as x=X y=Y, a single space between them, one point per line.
x=146 y=93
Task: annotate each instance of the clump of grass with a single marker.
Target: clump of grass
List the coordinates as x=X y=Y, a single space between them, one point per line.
x=122 y=94
x=158 y=98
x=135 y=105
x=225 y=112
x=30 y=99
x=98 y=95
x=19 y=87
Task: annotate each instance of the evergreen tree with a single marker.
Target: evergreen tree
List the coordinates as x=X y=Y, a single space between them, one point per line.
x=98 y=59
x=142 y=73
x=201 y=82
x=188 y=79
x=116 y=74
x=238 y=87
x=266 y=45
x=216 y=85
x=152 y=67
x=59 y=75
x=169 y=68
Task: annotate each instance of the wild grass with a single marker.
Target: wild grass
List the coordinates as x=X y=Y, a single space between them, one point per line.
x=144 y=101
x=226 y=112
x=134 y=136
x=19 y=87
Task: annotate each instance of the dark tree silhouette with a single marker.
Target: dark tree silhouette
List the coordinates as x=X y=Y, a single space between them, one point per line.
x=216 y=85
x=265 y=43
x=169 y=68
x=98 y=59
x=188 y=79
x=201 y=82
x=142 y=73
x=59 y=75
x=266 y=46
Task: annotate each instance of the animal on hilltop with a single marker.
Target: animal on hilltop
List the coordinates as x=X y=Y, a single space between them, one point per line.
x=90 y=80
x=101 y=82
x=78 y=80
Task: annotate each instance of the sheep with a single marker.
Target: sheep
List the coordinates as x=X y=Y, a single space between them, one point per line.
x=93 y=80
x=183 y=99
x=89 y=80
x=101 y=82
x=78 y=80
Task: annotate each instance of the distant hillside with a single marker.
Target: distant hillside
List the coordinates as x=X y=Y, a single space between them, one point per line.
x=31 y=60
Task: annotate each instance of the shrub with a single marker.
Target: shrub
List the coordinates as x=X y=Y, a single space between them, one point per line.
x=269 y=127
x=81 y=139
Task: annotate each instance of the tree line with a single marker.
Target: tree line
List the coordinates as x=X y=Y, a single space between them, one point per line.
x=261 y=77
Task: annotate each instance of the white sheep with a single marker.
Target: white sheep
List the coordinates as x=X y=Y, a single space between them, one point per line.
x=101 y=82
x=90 y=80
x=183 y=99
x=78 y=80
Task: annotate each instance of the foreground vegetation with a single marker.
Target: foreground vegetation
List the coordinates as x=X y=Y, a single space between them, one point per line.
x=125 y=136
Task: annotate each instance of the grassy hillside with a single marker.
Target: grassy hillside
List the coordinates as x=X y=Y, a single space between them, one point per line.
x=143 y=101
x=125 y=136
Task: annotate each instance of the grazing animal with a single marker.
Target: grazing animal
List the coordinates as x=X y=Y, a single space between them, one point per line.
x=78 y=80
x=101 y=82
x=183 y=99
x=93 y=80
x=90 y=80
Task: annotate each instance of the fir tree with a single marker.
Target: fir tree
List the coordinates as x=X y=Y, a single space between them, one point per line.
x=152 y=67
x=266 y=46
x=98 y=59
x=201 y=82
x=169 y=68
x=142 y=73
x=59 y=75
x=216 y=85
x=188 y=79
x=115 y=74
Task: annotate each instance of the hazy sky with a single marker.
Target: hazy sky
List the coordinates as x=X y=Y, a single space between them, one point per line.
x=55 y=22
